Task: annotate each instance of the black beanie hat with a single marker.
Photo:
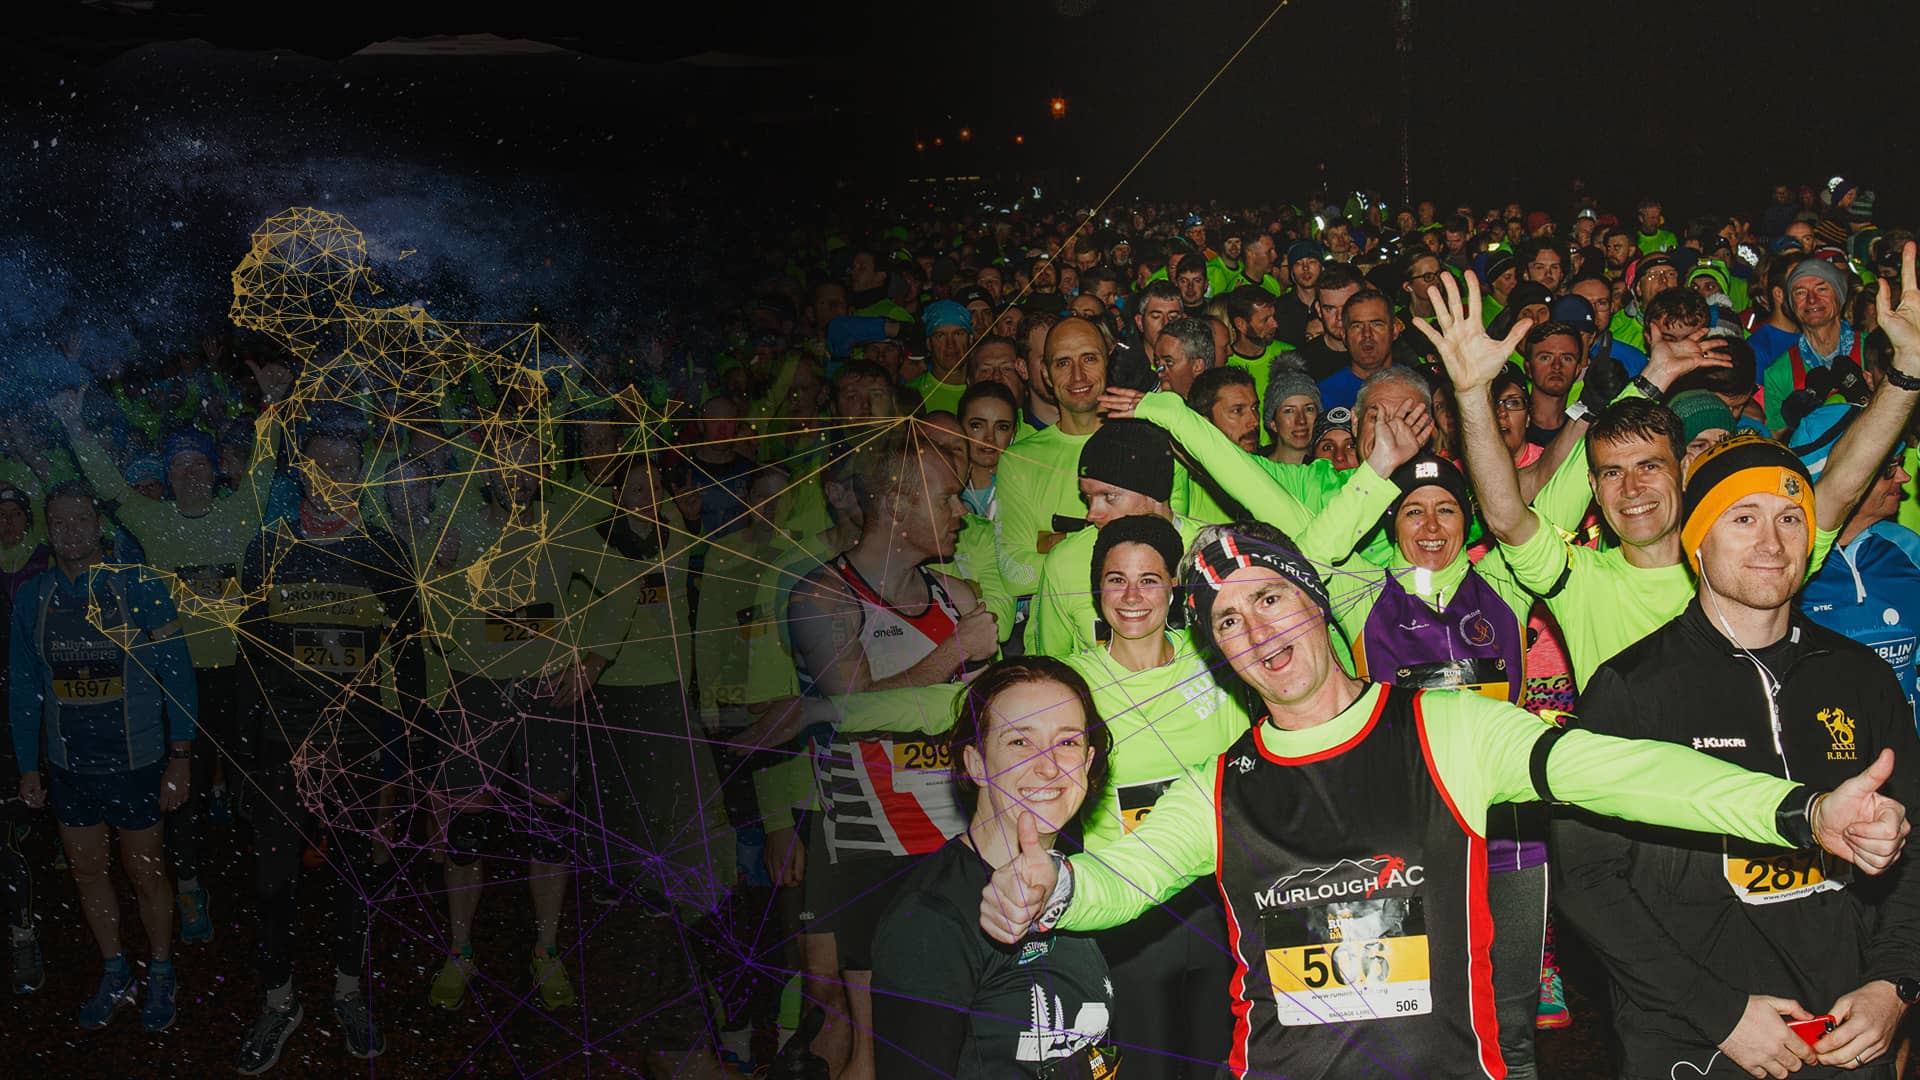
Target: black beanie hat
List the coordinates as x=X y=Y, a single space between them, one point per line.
x=1425 y=469
x=1131 y=454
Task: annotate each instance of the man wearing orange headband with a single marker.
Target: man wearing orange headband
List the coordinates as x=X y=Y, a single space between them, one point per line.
x=1714 y=946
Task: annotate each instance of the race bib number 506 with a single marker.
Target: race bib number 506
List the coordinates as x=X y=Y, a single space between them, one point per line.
x=1349 y=960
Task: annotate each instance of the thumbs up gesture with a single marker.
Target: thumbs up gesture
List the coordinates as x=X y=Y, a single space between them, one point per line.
x=1014 y=898
x=1859 y=824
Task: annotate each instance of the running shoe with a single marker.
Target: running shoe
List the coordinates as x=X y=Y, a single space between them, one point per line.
x=1553 y=1001
x=116 y=989
x=29 y=968
x=196 y=922
x=364 y=1038
x=450 y=986
x=158 y=1013
x=550 y=978
x=261 y=1051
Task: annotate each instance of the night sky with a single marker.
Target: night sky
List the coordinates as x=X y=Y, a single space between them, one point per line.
x=139 y=148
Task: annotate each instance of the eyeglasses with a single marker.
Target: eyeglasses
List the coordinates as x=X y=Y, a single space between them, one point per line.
x=1429 y=276
x=1510 y=404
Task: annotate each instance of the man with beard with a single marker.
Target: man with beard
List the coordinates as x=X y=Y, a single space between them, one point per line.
x=1618 y=242
x=1255 y=346
x=1226 y=397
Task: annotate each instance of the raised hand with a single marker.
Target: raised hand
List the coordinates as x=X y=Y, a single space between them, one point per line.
x=1668 y=358
x=1472 y=358
x=1861 y=825
x=1399 y=436
x=1902 y=323
x=273 y=379
x=1013 y=899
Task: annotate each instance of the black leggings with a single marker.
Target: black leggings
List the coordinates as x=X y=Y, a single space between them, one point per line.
x=218 y=737
x=1169 y=968
x=15 y=878
x=348 y=796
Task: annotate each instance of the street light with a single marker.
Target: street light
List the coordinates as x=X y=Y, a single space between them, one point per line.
x=965 y=134
x=1058 y=107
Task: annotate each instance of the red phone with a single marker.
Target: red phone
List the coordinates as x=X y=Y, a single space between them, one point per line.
x=1812 y=1030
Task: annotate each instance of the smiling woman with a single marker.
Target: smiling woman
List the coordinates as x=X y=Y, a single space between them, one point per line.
x=1030 y=750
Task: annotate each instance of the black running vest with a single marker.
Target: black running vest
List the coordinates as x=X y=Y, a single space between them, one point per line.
x=1357 y=910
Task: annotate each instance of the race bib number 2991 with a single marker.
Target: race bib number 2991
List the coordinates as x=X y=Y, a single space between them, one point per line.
x=1349 y=960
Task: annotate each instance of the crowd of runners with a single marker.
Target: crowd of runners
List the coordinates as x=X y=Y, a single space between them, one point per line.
x=1164 y=641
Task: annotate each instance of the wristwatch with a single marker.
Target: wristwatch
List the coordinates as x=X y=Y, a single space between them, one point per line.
x=1901 y=379
x=1578 y=411
x=1908 y=989
x=1654 y=393
x=1060 y=897
x=180 y=753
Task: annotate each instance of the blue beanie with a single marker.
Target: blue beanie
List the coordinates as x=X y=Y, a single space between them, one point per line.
x=946 y=313
x=142 y=469
x=190 y=441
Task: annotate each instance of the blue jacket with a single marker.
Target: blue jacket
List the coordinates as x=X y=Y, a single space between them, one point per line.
x=1869 y=590
x=98 y=666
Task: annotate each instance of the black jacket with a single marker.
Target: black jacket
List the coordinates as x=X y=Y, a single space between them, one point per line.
x=1660 y=906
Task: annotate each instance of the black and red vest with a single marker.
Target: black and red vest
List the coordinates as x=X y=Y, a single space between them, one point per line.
x=1356 y=902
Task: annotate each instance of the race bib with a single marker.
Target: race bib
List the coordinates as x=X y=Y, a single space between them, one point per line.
x=653 y=590
x=209 y=582
x=1136 y=801
x=339 y=651
x=920 y=756
x=1349 y=960
x=523 y=624
x=1790 y=875
x=1488 y=678
x=87 y=684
